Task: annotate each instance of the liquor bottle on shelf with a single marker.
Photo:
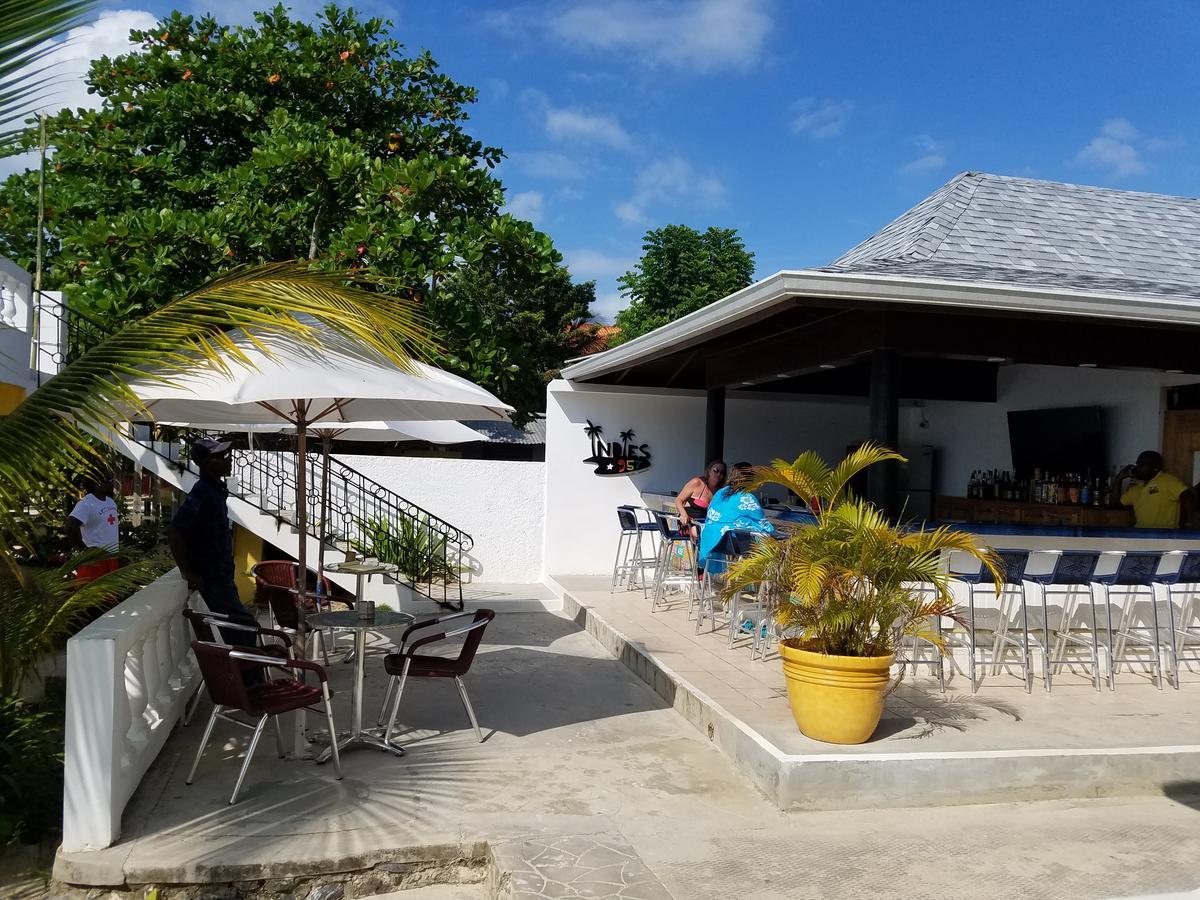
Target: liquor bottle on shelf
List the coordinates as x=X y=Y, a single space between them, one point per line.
x=1035 y=487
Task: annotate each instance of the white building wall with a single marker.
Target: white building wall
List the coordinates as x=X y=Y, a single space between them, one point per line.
x=500 y=503
x=581 y=524
x=971 y=436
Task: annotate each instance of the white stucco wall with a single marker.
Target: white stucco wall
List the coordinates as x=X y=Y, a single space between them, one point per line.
x=581 y=523
x=499 y=503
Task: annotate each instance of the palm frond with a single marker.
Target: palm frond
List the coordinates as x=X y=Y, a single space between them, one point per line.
x=852 y=584
x=47 y=438
x=27 y=30
x=39 y=608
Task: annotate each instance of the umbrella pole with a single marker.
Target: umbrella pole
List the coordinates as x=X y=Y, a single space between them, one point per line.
x=301 y=742
x=326 y=442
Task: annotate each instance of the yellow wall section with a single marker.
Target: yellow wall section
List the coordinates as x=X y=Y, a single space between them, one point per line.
x=247 y=550
x=10 y=397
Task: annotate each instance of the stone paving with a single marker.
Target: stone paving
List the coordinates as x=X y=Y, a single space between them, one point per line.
x=603 y=867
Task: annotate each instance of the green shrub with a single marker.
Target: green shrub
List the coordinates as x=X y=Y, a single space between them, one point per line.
x=31 y=769
x=415 y=547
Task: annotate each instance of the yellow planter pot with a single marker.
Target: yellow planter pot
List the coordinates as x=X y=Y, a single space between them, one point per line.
x=837 y=699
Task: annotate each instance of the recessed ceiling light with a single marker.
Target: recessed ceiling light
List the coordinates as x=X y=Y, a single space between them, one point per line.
x=747 y=383
x=1087 y=365
x=997 y=358
x=781 y=375
x=828 y=366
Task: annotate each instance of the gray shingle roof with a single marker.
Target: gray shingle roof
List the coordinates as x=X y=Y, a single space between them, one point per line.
x=534 y=431
x=1008 y=230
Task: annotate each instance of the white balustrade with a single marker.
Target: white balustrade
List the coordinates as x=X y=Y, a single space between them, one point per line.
x=129 y=676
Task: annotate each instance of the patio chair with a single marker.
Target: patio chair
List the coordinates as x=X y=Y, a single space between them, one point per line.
x=275 y=588
x=221 y=668
x=732 y=545
x=1135 y=571
x=1183 y=632
x=1073 y=570
x=630 y=562
x=407 y=662
x=203 y=625
x=671 y=537
x=1010 y=599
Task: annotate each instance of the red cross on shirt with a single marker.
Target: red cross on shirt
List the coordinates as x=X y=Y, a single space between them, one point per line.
x=112 y=520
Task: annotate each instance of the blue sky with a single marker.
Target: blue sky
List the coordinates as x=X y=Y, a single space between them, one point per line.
x=805 y=125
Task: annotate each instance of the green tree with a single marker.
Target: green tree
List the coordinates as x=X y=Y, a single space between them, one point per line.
x=681 y=271
x=217 y=146
x=514 y=328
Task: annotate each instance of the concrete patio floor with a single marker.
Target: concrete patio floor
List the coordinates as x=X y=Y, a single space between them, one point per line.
x=917 y=716
x=584 y=765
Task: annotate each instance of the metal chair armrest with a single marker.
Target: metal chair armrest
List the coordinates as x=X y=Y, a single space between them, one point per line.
x=444 y=635
x=417 y=626
x=276 y=662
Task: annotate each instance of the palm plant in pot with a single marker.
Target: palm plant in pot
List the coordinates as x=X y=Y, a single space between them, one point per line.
x=847 y=589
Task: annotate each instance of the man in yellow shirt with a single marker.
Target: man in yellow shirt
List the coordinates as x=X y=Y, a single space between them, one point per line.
x=1158 y=499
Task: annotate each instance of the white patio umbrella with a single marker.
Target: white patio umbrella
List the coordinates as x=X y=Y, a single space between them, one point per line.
x=276 y=379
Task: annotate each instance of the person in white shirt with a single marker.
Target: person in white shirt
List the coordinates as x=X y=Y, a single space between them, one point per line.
x=93 y=524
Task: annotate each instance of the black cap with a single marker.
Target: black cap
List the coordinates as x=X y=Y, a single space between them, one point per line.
x=206 y=447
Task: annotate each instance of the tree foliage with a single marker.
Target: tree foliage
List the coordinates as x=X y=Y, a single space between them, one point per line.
x=514 y=328
x=681 y=270
x=219 y=146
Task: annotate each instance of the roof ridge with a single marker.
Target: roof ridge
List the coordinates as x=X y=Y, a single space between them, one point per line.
x=972 y=179
x=908 y=246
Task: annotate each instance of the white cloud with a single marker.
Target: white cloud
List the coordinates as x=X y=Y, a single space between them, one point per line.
x=573 y=125
x=1117 y=157
x=589 y=264
x=669 y=180
x=694 y=35
x=69 y=61
x=820 y=119
x=932 y=157
x=1119 y=130
x=527 y=205
x=549 y=165
x=1118 y=149
x=108 y=35
x=607 y=306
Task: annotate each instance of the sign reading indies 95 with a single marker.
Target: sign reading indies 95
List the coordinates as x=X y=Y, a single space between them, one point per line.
x=616 y=457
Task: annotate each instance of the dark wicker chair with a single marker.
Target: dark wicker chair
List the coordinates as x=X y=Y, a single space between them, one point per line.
x=223 y=671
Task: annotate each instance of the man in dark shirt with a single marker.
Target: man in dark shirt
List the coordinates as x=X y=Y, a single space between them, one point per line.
x=201 y=542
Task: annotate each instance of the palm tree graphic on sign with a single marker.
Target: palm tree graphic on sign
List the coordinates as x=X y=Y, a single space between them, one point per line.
x=613 y=458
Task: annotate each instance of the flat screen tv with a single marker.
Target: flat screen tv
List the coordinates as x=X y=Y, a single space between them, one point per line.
x=1067 y=439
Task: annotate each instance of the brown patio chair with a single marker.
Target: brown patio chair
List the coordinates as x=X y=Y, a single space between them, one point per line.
x=275 y=588
x=408 y=663
x=222 y=667
x=203 y=625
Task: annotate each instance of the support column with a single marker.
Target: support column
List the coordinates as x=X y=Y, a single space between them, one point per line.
x=883 y=479
x=714 y=425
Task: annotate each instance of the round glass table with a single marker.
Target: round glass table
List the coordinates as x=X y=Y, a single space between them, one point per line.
x=349 y=620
